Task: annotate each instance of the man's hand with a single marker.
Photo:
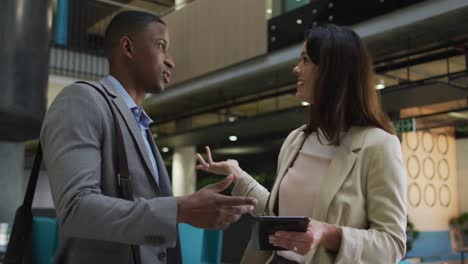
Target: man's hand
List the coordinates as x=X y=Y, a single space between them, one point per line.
x=207 y=208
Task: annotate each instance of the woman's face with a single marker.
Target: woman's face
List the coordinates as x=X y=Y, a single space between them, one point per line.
x=306 y=73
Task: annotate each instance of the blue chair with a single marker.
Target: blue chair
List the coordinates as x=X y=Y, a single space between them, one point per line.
x=44 y=240
x=200 y=246
x=405 y=262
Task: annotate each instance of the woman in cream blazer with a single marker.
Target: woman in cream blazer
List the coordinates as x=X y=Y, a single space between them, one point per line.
x=359 y=211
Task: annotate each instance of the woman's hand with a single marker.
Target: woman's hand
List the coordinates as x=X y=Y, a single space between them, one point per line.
x=318 y=233
x=227 y=167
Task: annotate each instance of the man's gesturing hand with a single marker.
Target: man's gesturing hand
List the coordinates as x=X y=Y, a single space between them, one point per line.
x=207 y=208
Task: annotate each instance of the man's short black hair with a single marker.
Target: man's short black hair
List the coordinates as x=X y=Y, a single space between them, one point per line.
x=126 y=23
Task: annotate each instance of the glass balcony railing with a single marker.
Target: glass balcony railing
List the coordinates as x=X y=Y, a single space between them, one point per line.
x=279 y=7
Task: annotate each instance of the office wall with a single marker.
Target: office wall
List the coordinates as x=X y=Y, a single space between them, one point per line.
x=430 y=158
x=462 y=171
x=12 y=182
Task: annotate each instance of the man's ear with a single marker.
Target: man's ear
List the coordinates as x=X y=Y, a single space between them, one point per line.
x=126 y=46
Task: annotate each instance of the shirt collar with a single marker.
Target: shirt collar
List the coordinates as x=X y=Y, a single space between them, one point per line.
x=140 y=115
x=122 y=92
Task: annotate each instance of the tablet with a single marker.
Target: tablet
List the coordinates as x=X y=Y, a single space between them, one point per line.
x=264 y=226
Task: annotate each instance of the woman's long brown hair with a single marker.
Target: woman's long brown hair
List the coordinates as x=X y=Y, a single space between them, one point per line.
x=345 y=93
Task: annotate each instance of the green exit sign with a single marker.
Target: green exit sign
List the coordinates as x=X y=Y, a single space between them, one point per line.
x=405 y=125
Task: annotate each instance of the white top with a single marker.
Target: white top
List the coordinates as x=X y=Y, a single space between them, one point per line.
x=301 y=184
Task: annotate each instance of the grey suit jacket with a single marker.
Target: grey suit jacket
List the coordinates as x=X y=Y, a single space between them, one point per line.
x=79 y=146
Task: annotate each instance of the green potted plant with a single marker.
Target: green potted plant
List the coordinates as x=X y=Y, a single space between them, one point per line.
x=460 y=226
x=411 y=234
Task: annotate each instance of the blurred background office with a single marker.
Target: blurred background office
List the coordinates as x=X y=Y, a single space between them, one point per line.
x=233 y=89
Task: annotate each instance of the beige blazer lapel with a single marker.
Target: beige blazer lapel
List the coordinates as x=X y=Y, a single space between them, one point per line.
x=340 y=167
x=129 y=119
x=289 y=157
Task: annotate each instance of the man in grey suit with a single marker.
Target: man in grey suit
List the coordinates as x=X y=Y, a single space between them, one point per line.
x=78 y=138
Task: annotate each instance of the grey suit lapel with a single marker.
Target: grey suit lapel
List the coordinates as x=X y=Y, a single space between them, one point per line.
x=132 y=126
x=164 y=181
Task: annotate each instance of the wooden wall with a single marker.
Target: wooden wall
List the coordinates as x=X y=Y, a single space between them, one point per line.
x=207 y=35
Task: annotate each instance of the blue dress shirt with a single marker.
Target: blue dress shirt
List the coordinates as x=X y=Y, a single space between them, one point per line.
x=142 y=119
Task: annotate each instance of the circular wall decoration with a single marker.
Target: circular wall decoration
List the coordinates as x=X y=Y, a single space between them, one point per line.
x=442 y=143
x=414 y=195
x=443 y=169
x=445 y=196
x=412 y=165
x=428 y=168
x=430 y=195
x=412 y=140
x=427 y=141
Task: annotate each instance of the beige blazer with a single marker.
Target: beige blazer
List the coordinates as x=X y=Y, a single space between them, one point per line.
x=363 y=193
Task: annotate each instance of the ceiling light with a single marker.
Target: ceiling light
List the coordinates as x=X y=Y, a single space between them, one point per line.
x=269 y=11
x=380 y=85
x=458 y=115
x=232 y=138
x=165 y=149
x=305 y=104
x=232 y=118
x=239 y=150
x=299 y=21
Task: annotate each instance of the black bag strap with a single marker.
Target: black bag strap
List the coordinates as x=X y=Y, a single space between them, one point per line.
x=32 y=183
x=21 y=231
x=123 y=174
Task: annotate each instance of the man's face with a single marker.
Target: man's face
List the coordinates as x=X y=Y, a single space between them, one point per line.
x=152 y=63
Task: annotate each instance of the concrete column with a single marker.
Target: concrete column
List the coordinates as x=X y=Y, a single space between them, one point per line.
x=24 y=56
x=12 y=179
x=184 y=175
